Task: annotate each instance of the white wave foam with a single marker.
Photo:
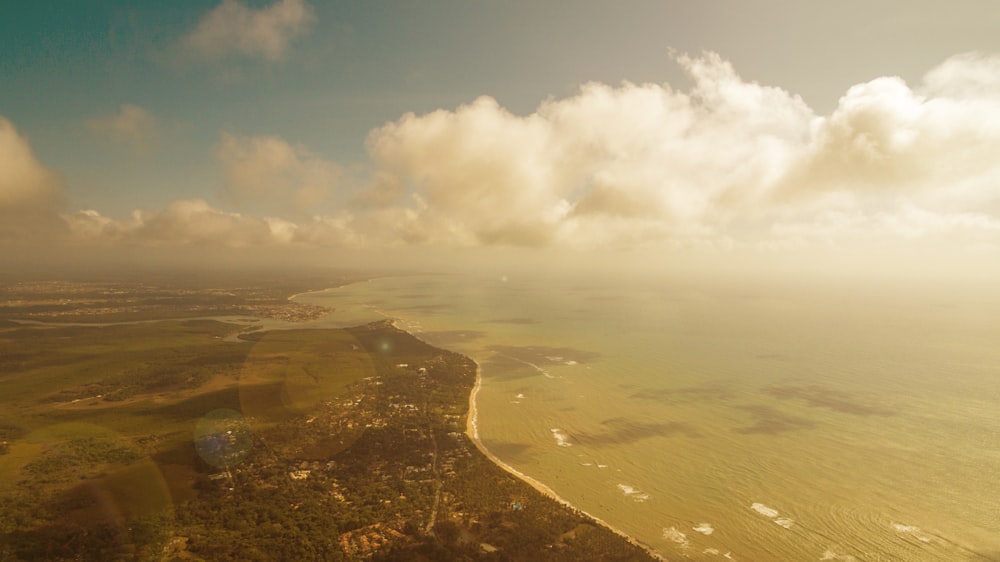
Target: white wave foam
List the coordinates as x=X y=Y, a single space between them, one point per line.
x=535 y=367
x=634 y=493
x=704 y=528
x=772 y=513
x=571 y=362
x=561 y=438
x=911 y=530
x=784 y=522
x=602 y=466
x=672 y=534
x=712 y=551
x=764 y=510
x=831 y=555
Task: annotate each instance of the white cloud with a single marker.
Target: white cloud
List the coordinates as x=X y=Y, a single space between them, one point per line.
x=730 y=159
x=479 y=173
x=30 y=193
x=596 y=164
x=233 y=29
x=186 y=222
x=132 y=125
x=728 y=164
x=968 y=76
x=24 y=181
x=267 y=173
x=196 y=223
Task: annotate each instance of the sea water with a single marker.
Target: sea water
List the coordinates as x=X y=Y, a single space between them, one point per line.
x=731 y=422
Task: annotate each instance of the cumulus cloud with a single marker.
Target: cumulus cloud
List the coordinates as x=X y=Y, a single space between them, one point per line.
x=727 y=164
x=266 y=172
x=624 y=165
x=24 y=181
x=132 y=125
x=30 y=193
x=968 y=76
x=196 y=223
x=478 y=174
x=187 y=222
x=233 y=29
x=729 y=160
x=884 y=136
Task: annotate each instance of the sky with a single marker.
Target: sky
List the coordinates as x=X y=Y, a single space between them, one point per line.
x=760 y=131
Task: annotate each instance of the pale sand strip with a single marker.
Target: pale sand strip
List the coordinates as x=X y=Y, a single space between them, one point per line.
x=472 y=430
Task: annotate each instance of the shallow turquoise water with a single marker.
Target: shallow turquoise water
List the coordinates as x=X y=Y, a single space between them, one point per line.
x=760 y=422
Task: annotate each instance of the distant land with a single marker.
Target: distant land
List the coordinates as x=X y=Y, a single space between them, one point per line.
x=138 y=424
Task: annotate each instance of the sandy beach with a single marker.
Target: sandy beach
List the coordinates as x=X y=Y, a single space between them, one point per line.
x=472 y=430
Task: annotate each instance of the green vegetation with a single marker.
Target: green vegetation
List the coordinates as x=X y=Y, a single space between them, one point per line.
x=167 y=295
x=166 y=441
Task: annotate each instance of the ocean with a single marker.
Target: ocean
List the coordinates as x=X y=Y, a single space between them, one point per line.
x=731 y=421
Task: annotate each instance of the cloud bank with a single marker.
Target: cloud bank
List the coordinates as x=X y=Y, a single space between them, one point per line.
x=30 y=193
x=730 y=160
x=728 y=164
x=234 y=30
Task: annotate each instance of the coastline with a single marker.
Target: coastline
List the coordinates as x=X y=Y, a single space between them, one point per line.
x=472 y=431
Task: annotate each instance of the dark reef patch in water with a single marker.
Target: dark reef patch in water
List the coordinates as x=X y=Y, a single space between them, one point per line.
x=622 y=430
x=516 y=452
x=819 y=397
x=770 y=421
x=684 y=395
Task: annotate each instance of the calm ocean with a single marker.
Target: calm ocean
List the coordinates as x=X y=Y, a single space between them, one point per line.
x=713 y=422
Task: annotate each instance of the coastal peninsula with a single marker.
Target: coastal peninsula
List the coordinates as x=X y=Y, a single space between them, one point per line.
x=173 y=440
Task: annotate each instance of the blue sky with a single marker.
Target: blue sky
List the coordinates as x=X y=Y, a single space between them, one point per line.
x=292 y=112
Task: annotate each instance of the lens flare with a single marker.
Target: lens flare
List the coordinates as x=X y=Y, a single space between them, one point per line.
x=223 y=438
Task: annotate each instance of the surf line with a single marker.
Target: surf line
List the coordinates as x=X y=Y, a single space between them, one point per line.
x=528 y=363
x=472 y=431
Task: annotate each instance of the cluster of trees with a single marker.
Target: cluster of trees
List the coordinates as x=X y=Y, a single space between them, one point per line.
x=383 y=466
x=83 y=452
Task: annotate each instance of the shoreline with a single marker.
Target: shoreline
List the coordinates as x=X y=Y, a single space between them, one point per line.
x=472 y=431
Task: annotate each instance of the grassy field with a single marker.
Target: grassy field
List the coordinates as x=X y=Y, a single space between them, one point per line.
x=97 y=422
x=171 y=440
